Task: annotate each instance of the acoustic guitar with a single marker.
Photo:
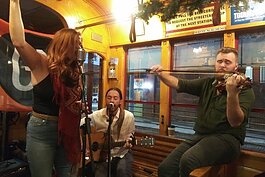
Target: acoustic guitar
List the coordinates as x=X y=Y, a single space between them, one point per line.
x=99 y=145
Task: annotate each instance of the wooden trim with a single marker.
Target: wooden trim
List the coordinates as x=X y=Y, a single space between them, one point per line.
x=146 y=160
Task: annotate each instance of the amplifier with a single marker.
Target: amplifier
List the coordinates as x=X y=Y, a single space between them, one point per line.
x=14 y=168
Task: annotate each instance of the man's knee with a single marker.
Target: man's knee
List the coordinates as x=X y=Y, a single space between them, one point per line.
x=162 y=168
x=187 y=165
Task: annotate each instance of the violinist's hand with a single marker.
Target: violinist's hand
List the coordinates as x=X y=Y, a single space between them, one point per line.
x=234 y=82
x=128 y=144
x=156 y=69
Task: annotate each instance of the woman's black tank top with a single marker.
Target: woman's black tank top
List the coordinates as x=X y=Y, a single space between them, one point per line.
x=43 y=98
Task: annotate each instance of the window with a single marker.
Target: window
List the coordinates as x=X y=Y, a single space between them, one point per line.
x=252 y=55
x=262 y=74
x=249 y=72
x=190 y=56
x=92 y=75
x=143 y=88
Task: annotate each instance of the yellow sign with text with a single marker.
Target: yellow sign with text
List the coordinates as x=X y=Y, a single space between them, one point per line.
x=197 y=20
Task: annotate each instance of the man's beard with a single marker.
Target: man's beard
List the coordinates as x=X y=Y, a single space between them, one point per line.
x=219 y=75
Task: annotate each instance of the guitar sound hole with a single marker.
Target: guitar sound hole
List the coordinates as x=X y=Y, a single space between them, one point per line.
x=95 y=146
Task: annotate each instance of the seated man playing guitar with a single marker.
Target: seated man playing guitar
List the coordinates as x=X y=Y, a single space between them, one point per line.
x=122 y=130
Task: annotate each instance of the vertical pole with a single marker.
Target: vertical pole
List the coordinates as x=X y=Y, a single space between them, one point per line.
x=3 y=136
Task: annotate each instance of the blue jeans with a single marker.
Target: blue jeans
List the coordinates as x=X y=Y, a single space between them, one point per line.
x=200 y=151
x=123 y=168
x=43 y=151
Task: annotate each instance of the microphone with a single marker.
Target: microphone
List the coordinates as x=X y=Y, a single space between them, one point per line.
x=111 y=106
x=110 y=111
x=80 y=61
x=81 y=56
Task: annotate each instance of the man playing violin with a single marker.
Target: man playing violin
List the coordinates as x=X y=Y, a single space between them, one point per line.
x=220 y=126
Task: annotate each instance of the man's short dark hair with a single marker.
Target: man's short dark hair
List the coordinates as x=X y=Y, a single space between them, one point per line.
x=228 y=50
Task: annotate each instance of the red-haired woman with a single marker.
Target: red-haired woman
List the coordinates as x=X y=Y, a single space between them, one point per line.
x=53 y=130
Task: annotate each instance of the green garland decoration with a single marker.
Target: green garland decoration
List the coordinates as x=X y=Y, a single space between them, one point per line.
x=170 y=9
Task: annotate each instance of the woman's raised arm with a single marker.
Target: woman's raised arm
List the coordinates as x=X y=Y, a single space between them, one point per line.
x=29 y=55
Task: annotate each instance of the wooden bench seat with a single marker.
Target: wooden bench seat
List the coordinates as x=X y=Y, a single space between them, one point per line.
x=147 y=159
x=249 y=164
x=210 y=171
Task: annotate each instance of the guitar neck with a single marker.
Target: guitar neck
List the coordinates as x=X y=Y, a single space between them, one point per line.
x=147 y=142
x=117 y=144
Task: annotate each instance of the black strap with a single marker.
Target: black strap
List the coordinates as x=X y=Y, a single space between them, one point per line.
x=120 y=122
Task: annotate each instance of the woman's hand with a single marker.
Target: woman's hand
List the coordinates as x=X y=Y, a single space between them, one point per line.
x=82 y=106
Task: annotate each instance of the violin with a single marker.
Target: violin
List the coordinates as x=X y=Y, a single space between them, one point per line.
x=221 y=78
x=221 y=86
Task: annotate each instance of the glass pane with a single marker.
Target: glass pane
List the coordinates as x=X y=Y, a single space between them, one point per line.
x=143 y=89
x=249 y=72
x=252 y=55
x=252 y=49
x=200 y=53
x=92 y=70
x=201 y=56
x=262 y=74
x=146 y=116
x=142 y=86
x=143 y=58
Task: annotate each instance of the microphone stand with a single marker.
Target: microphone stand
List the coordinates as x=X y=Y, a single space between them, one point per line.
x=86 y=130
x=110 y=114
